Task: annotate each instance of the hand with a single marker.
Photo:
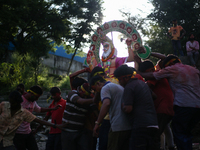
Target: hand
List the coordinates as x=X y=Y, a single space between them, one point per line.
x=61 y=126
x=58 y=106
x=96 y=130
x=141 y=50
x=87 y=69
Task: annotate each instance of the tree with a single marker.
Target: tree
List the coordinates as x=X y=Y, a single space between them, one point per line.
x=185 y=11
x=31 y=26
x=35 y=27
x=85 y=15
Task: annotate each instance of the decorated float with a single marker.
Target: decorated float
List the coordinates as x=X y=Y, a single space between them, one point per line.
x=133 y=41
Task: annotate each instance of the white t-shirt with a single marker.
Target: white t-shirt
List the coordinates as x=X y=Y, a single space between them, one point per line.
x=118 y=119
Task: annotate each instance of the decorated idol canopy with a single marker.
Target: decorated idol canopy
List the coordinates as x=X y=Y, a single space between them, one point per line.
x=99 y=37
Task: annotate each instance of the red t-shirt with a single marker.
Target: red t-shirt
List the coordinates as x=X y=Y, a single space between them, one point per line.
x=56 y=115
x=165 y=97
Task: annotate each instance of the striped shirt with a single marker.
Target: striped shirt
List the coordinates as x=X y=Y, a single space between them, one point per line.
x=74 y=114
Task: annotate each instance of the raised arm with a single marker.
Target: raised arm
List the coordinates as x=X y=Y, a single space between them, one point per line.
x=71 y=76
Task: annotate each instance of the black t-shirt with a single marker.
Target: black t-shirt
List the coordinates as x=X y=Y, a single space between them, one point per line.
x=138 y=94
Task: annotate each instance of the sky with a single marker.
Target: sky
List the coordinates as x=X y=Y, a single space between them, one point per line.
x=111 y=12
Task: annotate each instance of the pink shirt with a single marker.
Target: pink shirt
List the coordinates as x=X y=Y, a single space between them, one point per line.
x=25 y=128
x=185 y=84
x=189 y=44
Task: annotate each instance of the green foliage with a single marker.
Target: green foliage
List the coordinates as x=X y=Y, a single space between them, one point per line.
x=185 y=11
x=22 y=70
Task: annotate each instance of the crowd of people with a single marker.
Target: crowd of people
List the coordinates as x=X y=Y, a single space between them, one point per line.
x=117 y=108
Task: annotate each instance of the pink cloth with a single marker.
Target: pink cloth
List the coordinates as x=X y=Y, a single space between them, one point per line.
x=189 y=44
x=118 y=62
x=25 y=128
x=185 y=84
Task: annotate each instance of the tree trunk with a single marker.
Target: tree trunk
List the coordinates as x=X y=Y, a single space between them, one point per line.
x=68 y=70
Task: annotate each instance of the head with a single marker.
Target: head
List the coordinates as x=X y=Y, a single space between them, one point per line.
x=106 y=50
x=15 y=99
x=159 y=65
x=174 y=22
x=123 y=73
x=55 y=93
x=78 y=81
x=97 y=71
x=20 y=88
x=191 y=37
x=146 y=66
x=84 y=91
x=170 y=60
x=34 y=93
x=97 y=82
x=108 y=47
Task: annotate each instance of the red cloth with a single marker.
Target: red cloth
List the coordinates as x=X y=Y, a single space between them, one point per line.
x=165 y=97
x=56 y=115
x=139 y=77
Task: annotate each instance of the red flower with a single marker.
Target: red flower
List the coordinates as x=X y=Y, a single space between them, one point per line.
x=99 y=30
x=134 y=37
x=129 y=30
x=114 y=24
x=106 y=25
x=122 y=25
x=136 y=46
x=92 y=47
x=94 y=38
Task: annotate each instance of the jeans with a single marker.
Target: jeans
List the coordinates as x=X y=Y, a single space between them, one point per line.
x=54 y=142
x=177 y=45
x=184 y=120
x=25 y=141
x=193 y=57
x=103 y=134
x=81 y=140
x=143 y=139
x=6 y=148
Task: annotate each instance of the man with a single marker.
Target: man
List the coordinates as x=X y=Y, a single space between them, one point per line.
x=164 y=97
x=24 y=138
x=54 y=137
x=75 y=135
x=12 y=114
x=111 y=95
x=137 y=102
x=192 y=47
x=184 y=81
x=175 y=36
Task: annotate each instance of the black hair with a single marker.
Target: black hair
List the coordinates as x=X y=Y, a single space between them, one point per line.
x=21 y=85
x=122 y=71
x=133 y=69
x=145 y=65
x=95 y=79
x=168 y=58
x=55 y=90
x=78 y=81
x=37 y=89
x=97 y=69
x=16 y=96
x=190 y=35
